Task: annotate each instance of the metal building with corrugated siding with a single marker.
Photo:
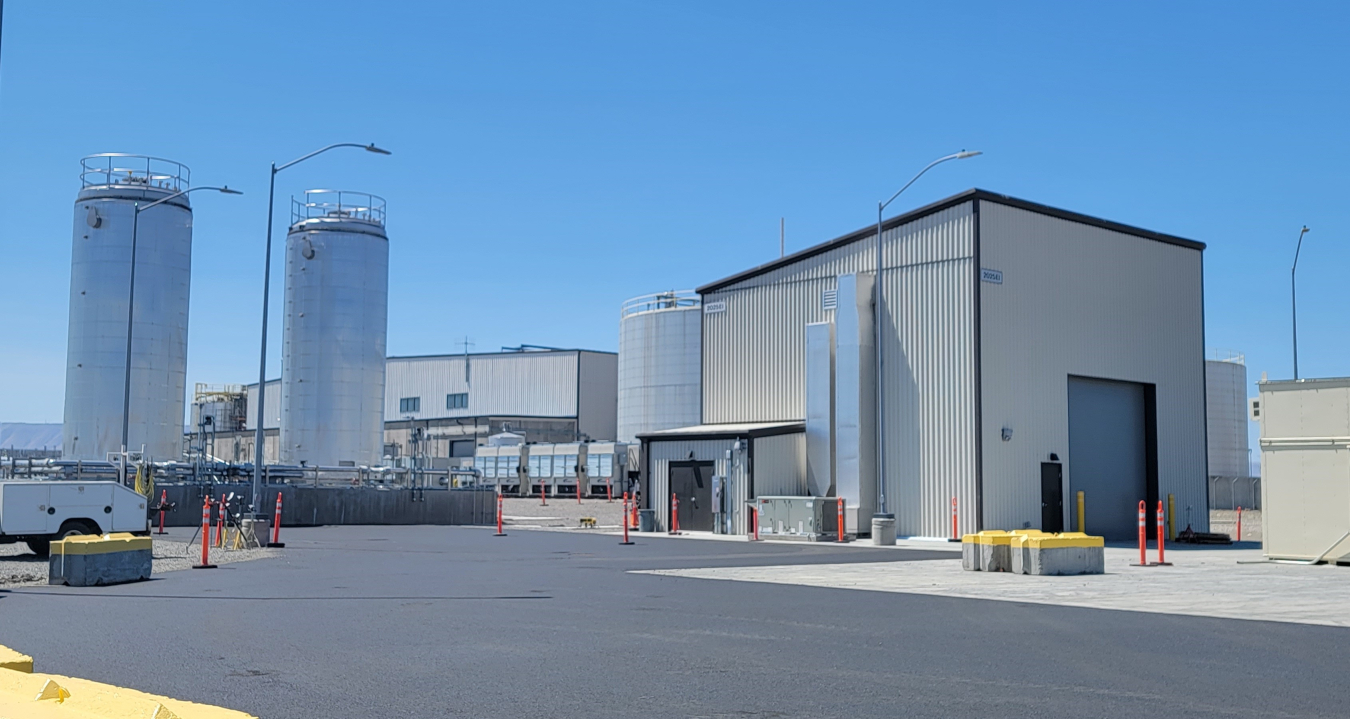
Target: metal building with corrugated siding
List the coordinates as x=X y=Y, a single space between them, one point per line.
x=1029 y=353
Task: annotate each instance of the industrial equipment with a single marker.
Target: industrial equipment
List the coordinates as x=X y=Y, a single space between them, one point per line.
x=333 y=352
x=112 y=187
x=811 y=519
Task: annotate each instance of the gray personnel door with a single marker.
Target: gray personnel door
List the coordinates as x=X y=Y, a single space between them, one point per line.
x=692 y=483
x=1112 y=455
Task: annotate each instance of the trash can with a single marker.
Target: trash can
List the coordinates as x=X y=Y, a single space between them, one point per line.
x=646 y=520
x=883 y=530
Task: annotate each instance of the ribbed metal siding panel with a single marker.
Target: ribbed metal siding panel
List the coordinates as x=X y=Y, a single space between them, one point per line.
x=527 y=384
x=1082 y=300
x=754 y=357
x=754 y=351
x=659 y=371
x=930 y=392
x=662 y=453
x=780 y=465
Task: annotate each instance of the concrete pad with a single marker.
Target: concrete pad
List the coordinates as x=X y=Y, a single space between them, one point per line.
x=1202 y=582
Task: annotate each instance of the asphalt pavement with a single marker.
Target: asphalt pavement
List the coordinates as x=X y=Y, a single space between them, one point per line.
x=452 y=621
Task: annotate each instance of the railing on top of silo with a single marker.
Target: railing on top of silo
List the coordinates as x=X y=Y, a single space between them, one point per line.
x=669 y=300
x=338 y=204
x=119 y=169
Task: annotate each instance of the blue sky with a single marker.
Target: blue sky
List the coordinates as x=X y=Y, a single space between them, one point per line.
x=553 y=159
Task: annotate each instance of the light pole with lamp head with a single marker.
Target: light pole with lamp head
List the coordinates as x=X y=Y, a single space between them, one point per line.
x=137 y=209
x=877 y=315
x=1293 y=295
x=267 y=285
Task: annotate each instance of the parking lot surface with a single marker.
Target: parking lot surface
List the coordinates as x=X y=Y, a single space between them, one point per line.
x=452 y=621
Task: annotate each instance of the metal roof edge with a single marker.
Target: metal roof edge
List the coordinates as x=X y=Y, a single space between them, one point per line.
x=938 y=206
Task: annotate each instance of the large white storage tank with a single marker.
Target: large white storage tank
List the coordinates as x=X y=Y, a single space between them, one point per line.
x=111 y=187
x=660 y=365
x=333 y=339
x=1226 y=414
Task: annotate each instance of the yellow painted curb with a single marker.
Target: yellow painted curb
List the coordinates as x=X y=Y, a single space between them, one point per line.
x=10 y=659
x=101 y=544
x=47 y=696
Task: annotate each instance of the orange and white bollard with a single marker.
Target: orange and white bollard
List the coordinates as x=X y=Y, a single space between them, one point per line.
x=674 y=514
x=276 y=526
x=499 y=533
x=1143 y=538
x=625 y=520
x=754 y=526
x=163 y=497
x=840 y=520
x=956 y=536
x=1239 y=527
x=609 y=491
x=206 y=536
x=1162 y=532
x=543 y=494
x=634 y=510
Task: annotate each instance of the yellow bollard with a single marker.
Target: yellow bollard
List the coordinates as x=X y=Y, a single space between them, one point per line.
x=1082 y=521
x=1171 y=518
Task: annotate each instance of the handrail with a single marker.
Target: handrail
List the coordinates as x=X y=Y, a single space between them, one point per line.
x=669 y=300
x=338 y=204
x=120 y=169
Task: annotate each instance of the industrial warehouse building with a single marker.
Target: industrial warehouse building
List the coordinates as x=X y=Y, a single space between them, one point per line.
x=1029 y=353
x=442 y=406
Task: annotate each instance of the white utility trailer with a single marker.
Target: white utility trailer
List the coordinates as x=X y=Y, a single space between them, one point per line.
x=39 y=511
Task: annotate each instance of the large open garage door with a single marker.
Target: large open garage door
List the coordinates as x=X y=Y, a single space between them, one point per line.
x=692 y=483
x=1111 y=453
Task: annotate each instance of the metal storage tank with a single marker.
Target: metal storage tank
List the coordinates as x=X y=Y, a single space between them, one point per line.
x=660 y=341
x=111 y=186
x=1226 y=414
x=333 y=339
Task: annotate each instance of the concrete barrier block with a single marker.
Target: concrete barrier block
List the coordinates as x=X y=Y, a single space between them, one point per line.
x=43 y=696
x=92 y=560
x=994 y=550
x=1071 y=553
x=14 y=661
x=970 y=553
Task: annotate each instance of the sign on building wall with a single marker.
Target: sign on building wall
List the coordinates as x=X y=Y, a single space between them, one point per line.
x=715 y=307
x=993 y=277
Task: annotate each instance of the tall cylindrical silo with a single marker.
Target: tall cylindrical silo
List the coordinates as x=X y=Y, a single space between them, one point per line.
x=660 y=341
x=112 y=187
x=333 y=339
x=1226 y=415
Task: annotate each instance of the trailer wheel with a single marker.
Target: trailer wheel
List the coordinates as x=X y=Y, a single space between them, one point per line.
x=40 y=547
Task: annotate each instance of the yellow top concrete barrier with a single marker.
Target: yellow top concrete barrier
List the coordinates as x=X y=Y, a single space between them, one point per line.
x=101 y=544
x=14 y=661
x=988 y=536
x=46 y=696
x=1066 y=539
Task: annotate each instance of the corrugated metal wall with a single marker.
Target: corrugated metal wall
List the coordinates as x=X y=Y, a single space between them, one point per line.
x=598 y=395
x=780 y=465
x=754 y=356
x=1082 y=300
x=661 y=453
x=271 y=406
x=532 y=384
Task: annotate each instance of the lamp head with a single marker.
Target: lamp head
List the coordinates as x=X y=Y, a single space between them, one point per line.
x=227 y=191
x=967 y=153
x=377 y=150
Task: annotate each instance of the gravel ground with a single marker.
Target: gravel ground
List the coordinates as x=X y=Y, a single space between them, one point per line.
x=1224 y=521
x=561 y=513
x=19 y=566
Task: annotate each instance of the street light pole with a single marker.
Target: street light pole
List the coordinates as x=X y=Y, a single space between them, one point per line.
x=1293 y=295
x=877 y=314
x=136 y=211
x=267 y=286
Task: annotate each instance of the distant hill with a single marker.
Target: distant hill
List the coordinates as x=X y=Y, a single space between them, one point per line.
x=25 y=435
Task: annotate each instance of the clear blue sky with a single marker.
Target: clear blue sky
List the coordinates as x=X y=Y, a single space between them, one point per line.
x=553 y=159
